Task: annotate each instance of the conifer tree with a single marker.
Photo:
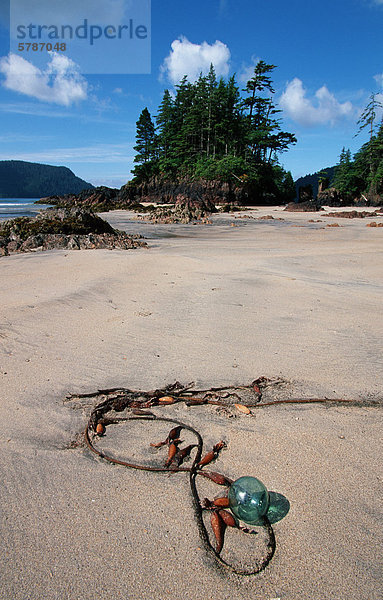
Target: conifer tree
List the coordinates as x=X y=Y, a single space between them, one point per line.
x=145 y=138
x=264 y=136
x=146 y=145
x=368 y=116
x=343 y=172
x=164 y=120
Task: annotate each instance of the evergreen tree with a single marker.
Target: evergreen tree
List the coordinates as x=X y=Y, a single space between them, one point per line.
x=211 y=83
x=165 y=123
x=264 y=136
x=362 y=176
x=368 y=116
x=260 y=82
x=343 y=172
x=182 y=105
x=145 y=138
x=375 y=158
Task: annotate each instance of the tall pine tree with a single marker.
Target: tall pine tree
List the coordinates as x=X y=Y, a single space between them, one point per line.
x=146 y=145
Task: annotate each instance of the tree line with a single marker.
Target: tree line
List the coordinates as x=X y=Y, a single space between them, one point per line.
x=210 y=130
x=362 y=175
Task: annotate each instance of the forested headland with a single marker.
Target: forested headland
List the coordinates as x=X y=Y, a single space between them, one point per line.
x=212 y=130
x=21 y=179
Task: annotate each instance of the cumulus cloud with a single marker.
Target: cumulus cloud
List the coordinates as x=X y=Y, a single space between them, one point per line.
x=190 y=59
x=379 y=77
x=60 y=83
x=323 y=109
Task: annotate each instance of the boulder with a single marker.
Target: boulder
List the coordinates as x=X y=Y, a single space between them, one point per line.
x=333 y=197
x=309 y=206
x=71 y=228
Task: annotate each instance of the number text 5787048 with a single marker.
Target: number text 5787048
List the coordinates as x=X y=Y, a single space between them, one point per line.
x=41 y=47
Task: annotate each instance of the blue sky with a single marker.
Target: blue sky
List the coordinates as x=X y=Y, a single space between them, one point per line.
x=328 y=56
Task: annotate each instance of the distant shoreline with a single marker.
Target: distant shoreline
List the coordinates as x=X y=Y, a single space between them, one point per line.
x=11 y=208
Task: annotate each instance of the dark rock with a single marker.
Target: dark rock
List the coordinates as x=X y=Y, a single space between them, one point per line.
x=3 y=246
x=100 y=199
x=311 y=206
x=201 y=203
x=210 y=192
x=333 y=197
x=74 y=219
x=305 y=193
x=314 y=180
x=71 y=228
x=371 y=198
x=207 y=193
x=351 y=214
x=180 y=213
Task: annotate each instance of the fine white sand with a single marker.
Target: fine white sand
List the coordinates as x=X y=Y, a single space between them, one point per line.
x=217 y=305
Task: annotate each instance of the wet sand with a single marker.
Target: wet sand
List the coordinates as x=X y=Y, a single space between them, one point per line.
x=217 y=305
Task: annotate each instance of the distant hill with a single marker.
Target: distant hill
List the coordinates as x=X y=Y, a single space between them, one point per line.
x=314 y=180
x=20 y=179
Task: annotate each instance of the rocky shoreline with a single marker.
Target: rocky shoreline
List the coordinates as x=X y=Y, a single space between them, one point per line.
x=156 y=191
x=210 y=193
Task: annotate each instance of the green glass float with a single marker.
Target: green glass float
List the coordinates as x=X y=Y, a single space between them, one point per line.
x=249 y=500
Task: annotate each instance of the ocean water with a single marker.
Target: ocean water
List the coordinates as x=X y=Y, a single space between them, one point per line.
x=19 y=207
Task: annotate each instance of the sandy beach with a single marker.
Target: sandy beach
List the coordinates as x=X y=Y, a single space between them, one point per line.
x=219 y=304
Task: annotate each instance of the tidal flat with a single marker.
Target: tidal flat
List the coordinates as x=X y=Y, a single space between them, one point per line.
x=218 y=304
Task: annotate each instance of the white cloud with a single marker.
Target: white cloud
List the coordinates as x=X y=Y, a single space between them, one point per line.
x=190 y=59
x=60 y=83
x=379 y=77
x=247 y=72
x=323 y=109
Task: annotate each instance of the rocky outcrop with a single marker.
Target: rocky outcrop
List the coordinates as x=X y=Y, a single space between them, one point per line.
x=52 y=241
x=211 y=192
x=315 y=180
x=309 y=206
x=353 y=214
x=100 y=199
x=305 y=193
x=159 y=191
x=333 y=197
x=184 y=211
x=370 y=199
x=70 y=228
